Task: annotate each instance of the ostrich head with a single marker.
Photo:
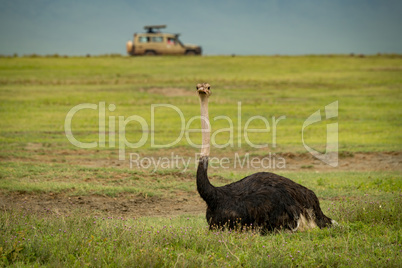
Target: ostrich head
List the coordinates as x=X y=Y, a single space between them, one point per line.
x=204 y=90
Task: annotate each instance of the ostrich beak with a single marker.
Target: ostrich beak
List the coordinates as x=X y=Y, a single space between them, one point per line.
x=204 y=89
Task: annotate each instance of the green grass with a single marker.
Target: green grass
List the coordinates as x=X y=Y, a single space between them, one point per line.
x=78 y=180
x=37 y=93
x=368 y=235
x=367 y=205
x=36 y=158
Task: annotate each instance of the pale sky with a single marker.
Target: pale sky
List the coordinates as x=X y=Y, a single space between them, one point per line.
x=253 y=27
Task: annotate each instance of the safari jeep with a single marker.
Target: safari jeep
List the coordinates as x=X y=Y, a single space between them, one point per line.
x=153 y=42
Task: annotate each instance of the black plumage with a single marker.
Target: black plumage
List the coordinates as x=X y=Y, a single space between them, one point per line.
x=262 y=200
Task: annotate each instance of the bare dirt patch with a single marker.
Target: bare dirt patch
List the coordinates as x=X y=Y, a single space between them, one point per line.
x=182 y=203
x=381 y=161
x=33 y=146
x=123 y=206
x=347 y=161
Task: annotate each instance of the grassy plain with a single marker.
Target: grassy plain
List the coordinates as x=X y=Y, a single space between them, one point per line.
x=37 y=93
x=37 y=159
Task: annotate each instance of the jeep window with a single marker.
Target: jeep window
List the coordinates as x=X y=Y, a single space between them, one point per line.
x=143 y=39
x=157 y=39
x=171 y=41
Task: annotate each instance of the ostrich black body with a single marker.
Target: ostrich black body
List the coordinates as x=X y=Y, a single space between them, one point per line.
x=263 y=200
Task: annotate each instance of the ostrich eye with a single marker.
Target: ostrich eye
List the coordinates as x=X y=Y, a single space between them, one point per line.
x=209 y=87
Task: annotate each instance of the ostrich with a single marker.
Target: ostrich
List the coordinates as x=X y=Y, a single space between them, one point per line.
x=262 y=200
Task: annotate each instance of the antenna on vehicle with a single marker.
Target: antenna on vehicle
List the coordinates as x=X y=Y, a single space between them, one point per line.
x=150 y=28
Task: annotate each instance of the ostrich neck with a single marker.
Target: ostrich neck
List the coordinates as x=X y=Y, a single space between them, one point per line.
x=206 y=190
x=205 y=127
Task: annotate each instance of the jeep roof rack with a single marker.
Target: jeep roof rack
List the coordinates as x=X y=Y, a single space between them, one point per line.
x=150 y=28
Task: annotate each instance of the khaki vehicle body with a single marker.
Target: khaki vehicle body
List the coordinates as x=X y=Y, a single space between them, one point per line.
x=157 y=43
